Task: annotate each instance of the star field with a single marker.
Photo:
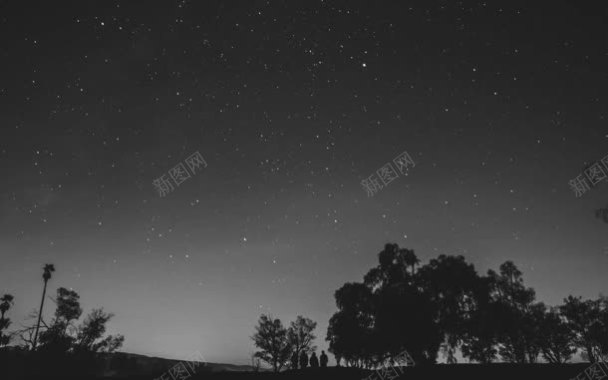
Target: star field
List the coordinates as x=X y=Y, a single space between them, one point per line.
x=291 y=105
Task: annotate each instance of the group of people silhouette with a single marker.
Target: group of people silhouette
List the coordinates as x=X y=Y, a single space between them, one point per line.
x=303 y=361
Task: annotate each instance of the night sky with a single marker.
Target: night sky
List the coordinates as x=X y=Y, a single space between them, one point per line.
x=291 y=104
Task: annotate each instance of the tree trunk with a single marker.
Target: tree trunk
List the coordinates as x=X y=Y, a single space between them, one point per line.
x=39 y=317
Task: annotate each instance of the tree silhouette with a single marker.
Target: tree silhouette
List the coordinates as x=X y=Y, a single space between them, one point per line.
x=555 y=337
x=63 y=336
x=409 y=258
x=92 y=330
x=5 y=304
x=588 y=322
x=530 y=330
x=46 y=276
x=64 y=347
x=479 y=341
x=405 y=319
x=454 y=287
x=58 y=336
x=271 y=338
x=300 y=336
x=68 y=305
x=445 y=304
x=350 y=329
x=512 y=302
x=507 y=321
x=600 y=331
x=388 y=313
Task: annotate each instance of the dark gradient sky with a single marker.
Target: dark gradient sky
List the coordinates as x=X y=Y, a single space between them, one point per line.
x=291 y=104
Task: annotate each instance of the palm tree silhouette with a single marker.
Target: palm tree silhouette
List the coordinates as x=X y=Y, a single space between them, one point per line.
x=46 y=276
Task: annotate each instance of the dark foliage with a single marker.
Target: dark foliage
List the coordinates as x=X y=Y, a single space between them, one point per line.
x=445 y=307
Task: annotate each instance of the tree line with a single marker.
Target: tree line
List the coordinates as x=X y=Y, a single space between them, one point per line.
x=62 y=339
x=280 y=346
x=442 y=308
x=445 y=306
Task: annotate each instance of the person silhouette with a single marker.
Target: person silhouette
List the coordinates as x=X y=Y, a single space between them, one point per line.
x=294 y=360
x=323 y=359
x=303 y=360
x=314 y=361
